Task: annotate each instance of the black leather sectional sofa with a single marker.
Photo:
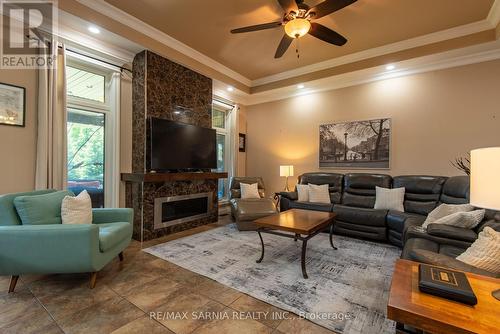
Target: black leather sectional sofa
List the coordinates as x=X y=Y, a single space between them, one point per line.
x=352 y=198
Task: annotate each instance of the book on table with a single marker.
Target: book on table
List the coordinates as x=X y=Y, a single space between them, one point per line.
x=445 y=283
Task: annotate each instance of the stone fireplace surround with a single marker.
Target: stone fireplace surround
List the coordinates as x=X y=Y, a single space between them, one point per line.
x=143 y=188
x=160 y=88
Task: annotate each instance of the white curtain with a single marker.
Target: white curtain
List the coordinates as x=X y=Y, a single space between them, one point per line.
x=51 y=169
x=233 y=141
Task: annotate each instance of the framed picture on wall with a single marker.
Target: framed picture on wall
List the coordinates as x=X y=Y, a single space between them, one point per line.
x=242 y=142
x=357 y=144
x=12 y=105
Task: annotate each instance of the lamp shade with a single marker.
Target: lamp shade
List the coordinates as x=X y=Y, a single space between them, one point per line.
x=286 y=170
x=485 y=178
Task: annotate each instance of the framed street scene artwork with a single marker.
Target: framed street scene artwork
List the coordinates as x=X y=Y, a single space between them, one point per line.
x=242 y=142
x=12 y=105
x=357 y=144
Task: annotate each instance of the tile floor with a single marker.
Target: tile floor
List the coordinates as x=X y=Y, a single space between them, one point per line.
x=129 y=293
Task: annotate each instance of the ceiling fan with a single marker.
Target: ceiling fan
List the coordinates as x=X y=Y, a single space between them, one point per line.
x=297 y=21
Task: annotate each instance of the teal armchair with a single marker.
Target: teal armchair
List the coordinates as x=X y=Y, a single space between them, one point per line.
x=58 y=248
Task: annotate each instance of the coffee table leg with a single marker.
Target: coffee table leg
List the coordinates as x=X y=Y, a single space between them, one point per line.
x=331 y=233
x=262 y=243
x=303 y=259
x=295 y=238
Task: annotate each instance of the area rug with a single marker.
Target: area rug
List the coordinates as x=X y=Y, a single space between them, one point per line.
x=346 y=292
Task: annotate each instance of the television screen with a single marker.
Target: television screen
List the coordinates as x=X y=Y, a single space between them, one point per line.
x=175 y=145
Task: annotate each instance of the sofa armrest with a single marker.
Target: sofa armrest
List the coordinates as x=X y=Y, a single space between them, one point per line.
x=53 y=248
x=419 y=232
x=411 y=223
x=451 y=232
x=311 y=206
x=291 y=195
x=101 y=216
x=441 y=260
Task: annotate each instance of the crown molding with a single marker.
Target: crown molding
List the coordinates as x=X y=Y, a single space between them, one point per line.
x=79 y=40
x=455 y=58
x=435 y=37
x=118 y=15
x=494 y=15
x=236 y=96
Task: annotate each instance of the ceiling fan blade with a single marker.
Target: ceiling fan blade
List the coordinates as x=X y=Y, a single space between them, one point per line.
x=289 y=5
x=257 y=27
x=284 y=44
x=329 y=6
x=325 y=34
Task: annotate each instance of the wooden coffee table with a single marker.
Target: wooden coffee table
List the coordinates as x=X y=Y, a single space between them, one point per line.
x=302 y=225
x=407 y=305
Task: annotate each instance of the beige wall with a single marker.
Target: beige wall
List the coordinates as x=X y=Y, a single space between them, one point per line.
x=125 y=131
x=18 y=144
x=242 y=128
x=436 y=116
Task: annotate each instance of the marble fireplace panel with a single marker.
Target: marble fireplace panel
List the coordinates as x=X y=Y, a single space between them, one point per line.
x=164 y=89
x=144 y=209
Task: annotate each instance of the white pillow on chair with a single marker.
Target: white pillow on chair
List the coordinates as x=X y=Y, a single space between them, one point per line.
x=389 y=199
x=467 y=220
x=249 y=190
x=303 y=193
x=484 y=253
x=448 y=214
x=77 y=209
x=319 y=194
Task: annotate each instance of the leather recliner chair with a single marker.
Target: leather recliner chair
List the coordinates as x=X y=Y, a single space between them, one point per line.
x=245 y=211
x=421 y=197
x=356 y=215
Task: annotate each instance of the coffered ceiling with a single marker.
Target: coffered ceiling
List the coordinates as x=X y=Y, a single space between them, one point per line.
x=413 y=35
x=204 y=26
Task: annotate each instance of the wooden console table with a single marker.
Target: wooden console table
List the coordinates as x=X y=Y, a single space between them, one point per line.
x=407 y=305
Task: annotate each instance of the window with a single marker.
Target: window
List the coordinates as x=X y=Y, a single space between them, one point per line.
x=84 y=84
x=92 y=143
x=220 y=112
x=86 y=153
x=218 y=118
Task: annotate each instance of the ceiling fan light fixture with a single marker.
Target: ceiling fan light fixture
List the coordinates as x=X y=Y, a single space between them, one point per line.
x=297 y=27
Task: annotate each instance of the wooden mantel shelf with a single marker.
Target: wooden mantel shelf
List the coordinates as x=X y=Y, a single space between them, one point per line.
x=168 y=177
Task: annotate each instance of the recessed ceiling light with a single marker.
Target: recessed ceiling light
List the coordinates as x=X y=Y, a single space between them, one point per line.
x=300 y=86
x=230 y=88
x=94 y=30
x=390 y=67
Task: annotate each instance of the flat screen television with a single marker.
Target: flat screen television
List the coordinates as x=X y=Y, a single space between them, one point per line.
x=179 y=146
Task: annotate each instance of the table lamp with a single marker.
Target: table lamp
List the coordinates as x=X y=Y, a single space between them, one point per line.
x=286 y=171
x=485 y=182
